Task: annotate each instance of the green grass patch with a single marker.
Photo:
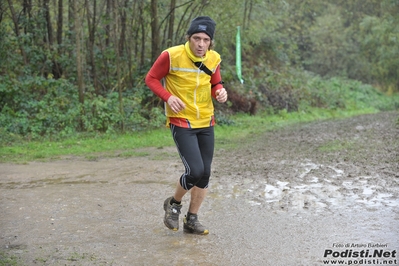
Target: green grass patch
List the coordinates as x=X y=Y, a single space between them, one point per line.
x=243 y=128
x=337 y=145
x=8 y=260
x=89 y=146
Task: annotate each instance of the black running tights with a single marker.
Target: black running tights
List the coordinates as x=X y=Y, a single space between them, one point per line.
x=195 y=147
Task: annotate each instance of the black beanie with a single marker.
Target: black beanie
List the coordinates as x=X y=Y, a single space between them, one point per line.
x=202 y=24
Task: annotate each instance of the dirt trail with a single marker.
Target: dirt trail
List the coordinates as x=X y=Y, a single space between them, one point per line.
x=307 y=194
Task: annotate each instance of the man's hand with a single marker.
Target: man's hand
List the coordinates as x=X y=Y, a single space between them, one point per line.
x=176 y=104
x=221 y=95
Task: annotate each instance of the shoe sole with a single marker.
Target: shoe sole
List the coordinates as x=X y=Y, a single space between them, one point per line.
x=191 y=231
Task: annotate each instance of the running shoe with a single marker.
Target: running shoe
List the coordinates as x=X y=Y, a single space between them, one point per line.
x=193 y=226
x=172 y=212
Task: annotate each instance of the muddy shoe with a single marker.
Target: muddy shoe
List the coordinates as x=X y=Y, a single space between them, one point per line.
x=193 y=226
x=172 y=211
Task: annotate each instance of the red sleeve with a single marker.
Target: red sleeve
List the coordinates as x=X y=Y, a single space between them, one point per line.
x=158 y=71
x=216 y=80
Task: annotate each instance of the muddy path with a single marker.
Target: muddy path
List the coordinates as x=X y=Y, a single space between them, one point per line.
x=306 y=194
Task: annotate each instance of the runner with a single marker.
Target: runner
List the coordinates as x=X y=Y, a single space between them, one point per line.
x=191 y=77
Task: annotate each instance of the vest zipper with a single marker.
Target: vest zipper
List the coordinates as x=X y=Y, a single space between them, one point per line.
x=195 y=93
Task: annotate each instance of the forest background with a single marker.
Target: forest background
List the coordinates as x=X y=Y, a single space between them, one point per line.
x=77 y=66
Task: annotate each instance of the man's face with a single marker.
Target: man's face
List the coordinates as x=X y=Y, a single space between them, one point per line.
x=199 y=43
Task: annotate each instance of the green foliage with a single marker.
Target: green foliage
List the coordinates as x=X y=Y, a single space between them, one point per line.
x=295 y=90
x=53 y=109
x=96 y=145
x=297 y=55
x=355 y=39
x=50 y=108
x=329 y=38
x=380 y=40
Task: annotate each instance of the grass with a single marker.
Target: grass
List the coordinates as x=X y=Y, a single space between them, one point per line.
x=8 y=260
x=246 y=126
x=86 y=146
x=337 y=145
x=127 y=145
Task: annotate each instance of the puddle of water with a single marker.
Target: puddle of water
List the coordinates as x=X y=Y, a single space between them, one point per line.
x=368 y=191
x=272 y=193
x=308 y=167
x=312 y=190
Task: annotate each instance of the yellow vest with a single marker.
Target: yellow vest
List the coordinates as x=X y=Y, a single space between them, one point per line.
x=187 y=82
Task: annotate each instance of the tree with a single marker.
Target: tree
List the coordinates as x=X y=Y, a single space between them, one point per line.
x=155 y=42
x=170 y=37
x=91 y=13
x=79 y=67
x=17 y=32
x=380 y=39
x=101 y=47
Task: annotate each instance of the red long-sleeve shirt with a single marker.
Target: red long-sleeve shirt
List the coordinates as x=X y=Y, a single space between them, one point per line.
x=160 y=69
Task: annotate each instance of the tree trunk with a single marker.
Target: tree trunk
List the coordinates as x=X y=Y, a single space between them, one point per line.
x=50 y=38
x=60 y=21
x=170 y=39
x=78 y=55
x=91 y=23
x=15 y=20
x=107 y=26
x=122 y=37
x=71 y=15
x=57 y=69
x=118 y=65
x=27 y=11
x=2 y=11
x=70 y=35
x=143 y=34
x=155 y=45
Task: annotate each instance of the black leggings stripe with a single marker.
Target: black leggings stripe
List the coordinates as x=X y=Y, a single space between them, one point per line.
x=195 y=147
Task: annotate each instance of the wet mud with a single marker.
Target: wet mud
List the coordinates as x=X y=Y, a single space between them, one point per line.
x=307 y=194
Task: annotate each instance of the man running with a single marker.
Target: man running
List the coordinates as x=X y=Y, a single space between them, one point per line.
x=191 y=76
